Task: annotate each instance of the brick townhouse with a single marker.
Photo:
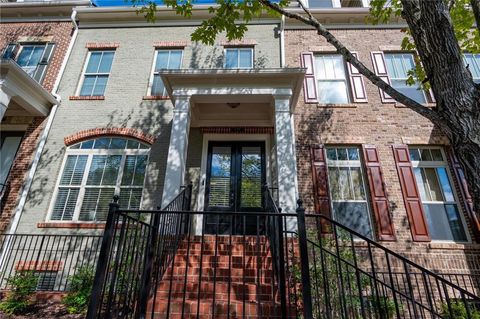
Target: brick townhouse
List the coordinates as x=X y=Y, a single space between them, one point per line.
x=34 y=39
x=145 y=111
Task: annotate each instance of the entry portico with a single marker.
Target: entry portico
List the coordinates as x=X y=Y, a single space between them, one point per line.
x=216 y=100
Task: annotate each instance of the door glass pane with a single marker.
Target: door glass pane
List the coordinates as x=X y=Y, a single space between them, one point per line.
x=220 y=177
x=7 y=155
x=251 y=177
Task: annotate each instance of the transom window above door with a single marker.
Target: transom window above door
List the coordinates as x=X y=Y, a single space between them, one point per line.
x=93 y=172
x=437 y=195
x=164 y=59
x=239 y=58
x=347 y=189
x=331 y=79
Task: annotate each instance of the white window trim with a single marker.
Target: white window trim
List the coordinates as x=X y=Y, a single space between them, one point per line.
x=444 y=164
x=345 y=71
x=238 y=60
x=152 y=71
x=350 y=163
x=84 y=71
x=403 y=79
x=90 y=153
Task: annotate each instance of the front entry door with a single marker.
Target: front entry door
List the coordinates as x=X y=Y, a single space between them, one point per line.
x=235 y=175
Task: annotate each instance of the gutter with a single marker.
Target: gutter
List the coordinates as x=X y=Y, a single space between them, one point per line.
x=28 y=183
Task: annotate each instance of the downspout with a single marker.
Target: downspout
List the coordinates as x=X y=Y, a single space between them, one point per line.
x=43 y=138
x=282 y=42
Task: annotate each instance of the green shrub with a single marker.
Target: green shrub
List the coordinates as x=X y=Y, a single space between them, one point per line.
x=384 y=307
x=81 y=285
x=459 y=311
x=19 y=298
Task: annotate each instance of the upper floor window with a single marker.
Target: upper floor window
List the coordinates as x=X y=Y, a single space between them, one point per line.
x=338 y=3
x=96 y=73
x=33 y=58
x=398 y=65
x=473 y=63
x=438 y=200
x=331 y=79
x=239 y=58
x=93 y=172
x=347 y=189
x=164 y=59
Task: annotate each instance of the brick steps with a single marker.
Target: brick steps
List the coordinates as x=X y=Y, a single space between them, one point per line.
x=236 y=280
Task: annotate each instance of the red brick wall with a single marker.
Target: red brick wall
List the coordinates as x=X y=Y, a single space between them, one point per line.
x=19 y=170
x=371 y=123
x=60 y=31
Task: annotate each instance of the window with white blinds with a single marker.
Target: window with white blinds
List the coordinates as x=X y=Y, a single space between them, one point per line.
x=93 y=172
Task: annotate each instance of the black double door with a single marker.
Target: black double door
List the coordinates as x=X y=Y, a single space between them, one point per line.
x=235 y=175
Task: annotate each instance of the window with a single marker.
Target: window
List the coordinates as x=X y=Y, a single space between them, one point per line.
x=338 y=3
x=96 y=73
x=347 y=189
x=46 y=280
x=93 y=172
x=473 y=63
x=164 y=59
x=33 y=58
x=239 y=58
x=331 y=78
x=398 y=65
x=436 y=193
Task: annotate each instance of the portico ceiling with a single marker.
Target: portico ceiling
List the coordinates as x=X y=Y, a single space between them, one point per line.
x=234 y=86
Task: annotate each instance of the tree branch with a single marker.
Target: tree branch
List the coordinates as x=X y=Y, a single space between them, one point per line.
x=341 y=49
x=476 y=12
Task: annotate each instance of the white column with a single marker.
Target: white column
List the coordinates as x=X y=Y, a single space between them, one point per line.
x=285 y=147
x=177 y=150
x=4 y=101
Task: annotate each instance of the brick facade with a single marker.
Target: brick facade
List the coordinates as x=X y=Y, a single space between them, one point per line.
x=97 y=132
x=60 y=34
x=19 y=170
x=372 y=123
x=57 y=32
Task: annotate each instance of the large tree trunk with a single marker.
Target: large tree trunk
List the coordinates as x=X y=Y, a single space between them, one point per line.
x=457 y=96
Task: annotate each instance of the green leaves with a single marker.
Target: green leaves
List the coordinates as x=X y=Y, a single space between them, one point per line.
x=22 y=286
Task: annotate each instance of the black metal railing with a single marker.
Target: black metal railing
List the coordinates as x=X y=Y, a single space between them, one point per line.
x=167 y=264
x=54 y=258
x=351 y=276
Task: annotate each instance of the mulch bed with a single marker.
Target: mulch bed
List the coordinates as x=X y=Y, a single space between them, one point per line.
x=45 y=310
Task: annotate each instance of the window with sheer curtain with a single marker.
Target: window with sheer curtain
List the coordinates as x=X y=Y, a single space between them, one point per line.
x=438 y=199
x=331 y=79
x=93 y=172
x=347 y=189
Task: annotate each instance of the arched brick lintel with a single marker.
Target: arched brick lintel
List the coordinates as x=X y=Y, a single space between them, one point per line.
x=111 y=131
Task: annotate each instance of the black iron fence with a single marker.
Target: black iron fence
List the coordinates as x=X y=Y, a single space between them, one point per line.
x=167 y=264
x=54 y=258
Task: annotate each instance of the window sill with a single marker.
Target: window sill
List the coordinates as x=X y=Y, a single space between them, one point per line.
x=72 y=225
x=86 y=98
x=453 y=246
x=339 y=106
x=401 y=105
x=155 y=97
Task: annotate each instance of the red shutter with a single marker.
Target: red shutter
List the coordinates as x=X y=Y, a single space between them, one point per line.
x=357 y=85
x=467 y=198
x=380 y=68
x=411 y=196
x=380 y=203
x=320 y=183
x=309 y=83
